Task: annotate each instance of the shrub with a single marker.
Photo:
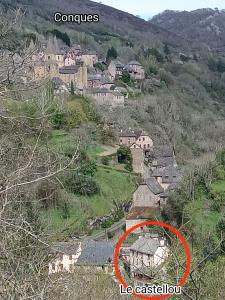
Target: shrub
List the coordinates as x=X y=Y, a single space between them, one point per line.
x=105 y=160
x=88 y=167
x=124 y=155
x=129 y=167
x=81 y=184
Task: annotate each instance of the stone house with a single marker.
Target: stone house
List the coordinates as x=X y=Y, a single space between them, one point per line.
x=98 y=256
x=148 y=194
x=99 y=81
x=139 y=139
x=137 y=158
x=89 y=58
x=136 y=70
x=115 y=69
x=76 y=74
x=161 y=156
x=144 y=141
x=167 y=176
x=69 y=256
x=69 y=60
x=65 y=256
x=128 y=137
x=147 y=255
x=103 y=96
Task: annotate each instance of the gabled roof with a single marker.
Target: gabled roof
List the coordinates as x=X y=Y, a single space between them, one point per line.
x=163 y=151
x=153 y=185
x=69 y=70
x=146 y=245
x=134 y=62
x=128 y=132
x=96 y=253
x=68 y=248
x=94 y=77
x=118 y=64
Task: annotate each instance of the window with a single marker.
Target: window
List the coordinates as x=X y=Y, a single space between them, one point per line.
x=61 y=267
x=71 y=267
x=49 y=57
x=143 y=139
x=144 y=146
x=121 y=140
x=70 y=257
x=139 y=140
x=148 y=146
x=61 y=257
x=53 y=267
x=58 y=57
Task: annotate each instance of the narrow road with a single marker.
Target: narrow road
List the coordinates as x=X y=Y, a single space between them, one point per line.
x=103 y=233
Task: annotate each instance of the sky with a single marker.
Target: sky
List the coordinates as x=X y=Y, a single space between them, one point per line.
x=149 y=8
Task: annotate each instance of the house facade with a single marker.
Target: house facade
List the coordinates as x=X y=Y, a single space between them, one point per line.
x=104 y=96
x=68 y=256
x=115 y=69
x=136 y=70
x=65 y=256
x=147 y=254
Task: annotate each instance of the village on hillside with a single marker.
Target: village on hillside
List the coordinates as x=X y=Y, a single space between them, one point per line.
x=143 y=256
x=74 y=69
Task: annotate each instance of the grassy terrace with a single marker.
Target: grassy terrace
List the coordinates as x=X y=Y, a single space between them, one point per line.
x=116 y=185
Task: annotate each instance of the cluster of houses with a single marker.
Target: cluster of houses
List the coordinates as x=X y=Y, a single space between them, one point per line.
x=145 y=254
x=158 y=167
x=68 y=66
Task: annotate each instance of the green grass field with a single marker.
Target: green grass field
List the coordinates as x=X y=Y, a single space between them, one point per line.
x=218 y=186
x=115 y=186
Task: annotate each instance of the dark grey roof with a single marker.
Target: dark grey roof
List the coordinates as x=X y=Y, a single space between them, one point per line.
x=69 y=70
x=134 y=62
x=96 y=253
x=94 y=77
x=146 y=245
x=65 y=247
x=163 y=151
x=118 y=64
x=165 y=161
x=153 y=185
x=127 y=132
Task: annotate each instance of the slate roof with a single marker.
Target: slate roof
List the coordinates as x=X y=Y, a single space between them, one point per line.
x=65 y=248
x=165 y=161
x=69 y=70
x=163 y=151
x=94 y=77
x=153 y=185
x=96 y=253
x=133 y=62
x=118 y=64
x=145 y=245
x=128 y=132
x=145 y=213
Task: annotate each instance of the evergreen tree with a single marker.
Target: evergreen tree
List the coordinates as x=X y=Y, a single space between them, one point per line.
x=166 y=49
x=111 y=54
x=72 y=88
